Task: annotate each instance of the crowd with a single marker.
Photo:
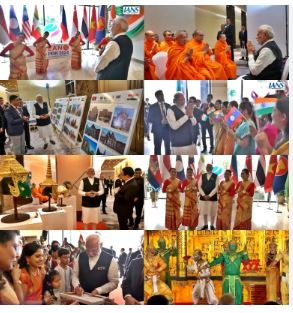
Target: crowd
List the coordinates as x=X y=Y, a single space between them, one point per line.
x=233 y=128
x=179 y=57
x=36 y=273
x=112 y=63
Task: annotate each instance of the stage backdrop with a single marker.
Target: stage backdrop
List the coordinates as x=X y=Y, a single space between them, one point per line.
x=58 y=112
x=73 y=117
x=111 y=122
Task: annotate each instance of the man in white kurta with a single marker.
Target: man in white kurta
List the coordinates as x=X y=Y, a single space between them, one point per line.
x=208 y=204
x=41 y=112
x=90 y=188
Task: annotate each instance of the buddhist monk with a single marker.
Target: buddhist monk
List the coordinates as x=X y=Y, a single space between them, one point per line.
x=202 y=54
x=180 y=64
x=37 y=193
x=151 y=47
x=167 y=42
x=223 y=56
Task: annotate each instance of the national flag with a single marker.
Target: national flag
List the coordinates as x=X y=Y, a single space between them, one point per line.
x=254 y=95
x=4 y=35
x=84 y=25
x=74 y=22
x=101 y=28
x=111 y=17
x=217 y=116
x=26 y=27
x=36 y=28
x=64 y=29
x=271 y=173
x=180 y=168
x=154 y=174
x=93 y=26
x=248 y=164
x=260 y=176
x=234 y=169
x=264 y=106
x=191 y=164
x=209 y=112
x=166 y=166
x=13 y=24
x=233 y=118
x=200 y=167
x=281 y=174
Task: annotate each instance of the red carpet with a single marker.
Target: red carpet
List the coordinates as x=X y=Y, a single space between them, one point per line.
x=100 y=226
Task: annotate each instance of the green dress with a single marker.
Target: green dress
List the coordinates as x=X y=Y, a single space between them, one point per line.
x=232 y=282
x=243 y=131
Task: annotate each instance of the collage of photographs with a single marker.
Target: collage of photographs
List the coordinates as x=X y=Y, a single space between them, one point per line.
x=144 y=154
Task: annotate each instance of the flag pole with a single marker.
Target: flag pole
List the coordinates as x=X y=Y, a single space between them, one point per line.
x=278 y=208
x=269 y=200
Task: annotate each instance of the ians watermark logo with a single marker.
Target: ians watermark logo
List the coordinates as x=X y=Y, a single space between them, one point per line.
x=277 y=85
x=131 y=10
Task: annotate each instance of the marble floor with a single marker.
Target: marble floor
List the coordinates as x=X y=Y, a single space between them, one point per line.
x=61 y=69
x=264 y=216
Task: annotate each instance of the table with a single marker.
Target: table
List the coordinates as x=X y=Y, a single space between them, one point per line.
x=86 y=298
x=32 y=223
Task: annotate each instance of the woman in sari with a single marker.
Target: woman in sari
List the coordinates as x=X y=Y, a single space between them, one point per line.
x=75 y=43
x=32 y=274
x=18 y=69
x=41 y=45
x=172 y=188
x=226 y=194
x=190 y=213
x=154 y=265
x=245 y=143
x=280 y=118
x=245 y=191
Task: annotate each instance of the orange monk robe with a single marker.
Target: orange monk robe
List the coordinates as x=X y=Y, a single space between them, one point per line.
x=224 y=57
x=176 y=66
x=37 y=193
x=165 y=45
x=205 y=65
x=150 y=49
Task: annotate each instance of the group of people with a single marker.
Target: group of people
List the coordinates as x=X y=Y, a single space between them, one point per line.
x=35 y=273
x=112 y=62
x=15 y=122
x=179 y=126
x=159 y=291
x=178 y=57
x=210 y=198
x=128 y=194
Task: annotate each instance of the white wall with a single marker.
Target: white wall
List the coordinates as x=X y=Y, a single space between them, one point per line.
x=138 y=52
x=173 y=17
x=273 y=15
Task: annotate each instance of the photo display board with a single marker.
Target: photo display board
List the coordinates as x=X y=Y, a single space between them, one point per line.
x=73 y=118
x=58 y=112
x=30 y=105
x=111 y=122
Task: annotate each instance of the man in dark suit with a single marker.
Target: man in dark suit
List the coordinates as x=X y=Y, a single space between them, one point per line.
x=197 y=115
x=133 y=282
x=229 y=32
x=104 y=196
x=26 y=126
x=110 y=184
x=243 y=41
x=126 y=197
x=2 y=127
x=15 y=122
x=160 y=127
x=139 y=203
x=121 y=261
x=206 y=125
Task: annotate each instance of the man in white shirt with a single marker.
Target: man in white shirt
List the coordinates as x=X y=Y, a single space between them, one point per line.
x=181 y=122
x=266 y=63
x=114 y=61
x=94 y=270
x=41 y=112
x=90 y=189
x=208 y=204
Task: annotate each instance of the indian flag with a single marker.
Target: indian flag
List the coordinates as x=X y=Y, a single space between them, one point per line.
x=264 y=106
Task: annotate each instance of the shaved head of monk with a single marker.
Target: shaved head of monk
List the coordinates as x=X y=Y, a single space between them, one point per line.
x=198 y=35
x=168 y=35
x=181 y=37
x=149 y=35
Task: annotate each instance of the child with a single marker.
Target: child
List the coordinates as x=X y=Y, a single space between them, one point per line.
x=51 y=288
x=64 y=270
